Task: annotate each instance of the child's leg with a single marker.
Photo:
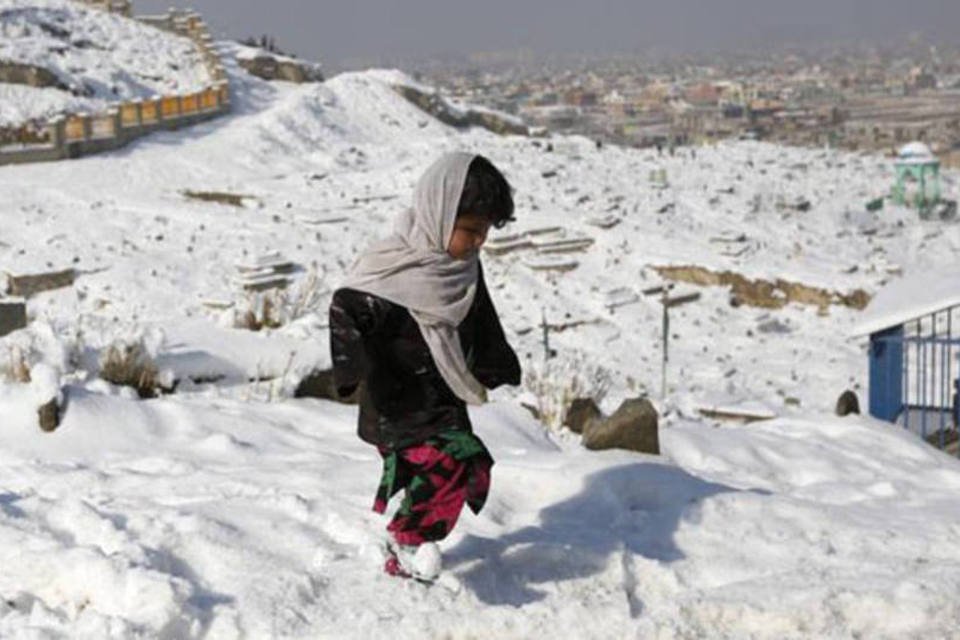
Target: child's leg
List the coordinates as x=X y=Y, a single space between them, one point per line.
x=435 y=494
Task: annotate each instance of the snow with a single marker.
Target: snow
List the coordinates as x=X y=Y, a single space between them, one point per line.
x=231 y=510
x=189 y=516
x=916 y=153
x=919 y=295
x=100 y=57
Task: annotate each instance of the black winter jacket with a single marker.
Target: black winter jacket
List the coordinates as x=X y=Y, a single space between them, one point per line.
x=405 y=400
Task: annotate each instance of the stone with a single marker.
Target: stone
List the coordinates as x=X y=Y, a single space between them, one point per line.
x=319 y=384
x=580 y=413
x=633 y=427
x=13 y=316
x=848 y=403
x=49 y=416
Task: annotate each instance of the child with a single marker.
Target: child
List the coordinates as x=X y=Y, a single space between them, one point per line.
x=415 y=328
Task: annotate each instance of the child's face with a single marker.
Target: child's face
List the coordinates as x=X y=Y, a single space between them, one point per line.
x=469 y=234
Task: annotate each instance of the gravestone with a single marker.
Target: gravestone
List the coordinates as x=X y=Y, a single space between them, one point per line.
x=13 y=316
x=847 y=404
x=27 y=285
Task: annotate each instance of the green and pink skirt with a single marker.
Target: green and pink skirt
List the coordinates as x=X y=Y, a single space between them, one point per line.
x=438 y=476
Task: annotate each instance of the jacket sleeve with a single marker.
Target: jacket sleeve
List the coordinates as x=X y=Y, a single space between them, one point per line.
x=354 y=315
x=495 y=362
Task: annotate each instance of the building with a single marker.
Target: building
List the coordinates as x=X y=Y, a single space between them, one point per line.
x=918 y=177
x=914 y=329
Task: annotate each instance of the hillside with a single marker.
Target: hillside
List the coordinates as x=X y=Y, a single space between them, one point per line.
x=86 y=59
x=229 y=510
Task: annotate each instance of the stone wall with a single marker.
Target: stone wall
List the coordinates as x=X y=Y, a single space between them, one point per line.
x=441 y=110
x=123 y=7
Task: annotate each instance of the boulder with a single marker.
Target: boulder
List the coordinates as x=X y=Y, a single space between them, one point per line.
x=848 y=403
x=632 y=427
x=319 y=384
x=580 y=413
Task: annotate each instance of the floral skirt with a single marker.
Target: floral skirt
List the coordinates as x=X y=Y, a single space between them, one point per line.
x=438 y=476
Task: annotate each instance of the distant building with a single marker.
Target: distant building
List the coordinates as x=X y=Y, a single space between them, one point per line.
x=918 y=177
x=703 y=95
x=920 y=79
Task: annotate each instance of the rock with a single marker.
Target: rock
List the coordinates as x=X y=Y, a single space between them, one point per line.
x=848 y=403
x=632 y=427
x=580 y=413
x=269 y=67
x=13 y=316
x=319 y=384
x=49 y=415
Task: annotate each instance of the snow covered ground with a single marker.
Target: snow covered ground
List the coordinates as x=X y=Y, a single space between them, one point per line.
x=229 y=510
x=205 y=517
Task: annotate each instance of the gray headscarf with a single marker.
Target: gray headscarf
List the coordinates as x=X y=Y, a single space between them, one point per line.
x=411 y=267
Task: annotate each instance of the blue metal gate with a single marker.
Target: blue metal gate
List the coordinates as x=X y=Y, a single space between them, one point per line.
x=915 y=377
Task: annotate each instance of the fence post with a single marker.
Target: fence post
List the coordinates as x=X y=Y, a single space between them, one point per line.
x=58 y=132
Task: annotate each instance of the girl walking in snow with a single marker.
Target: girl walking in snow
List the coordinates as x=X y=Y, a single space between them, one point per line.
x=414 y=327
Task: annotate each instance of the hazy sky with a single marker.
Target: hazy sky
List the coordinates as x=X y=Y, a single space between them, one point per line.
x=334 y=30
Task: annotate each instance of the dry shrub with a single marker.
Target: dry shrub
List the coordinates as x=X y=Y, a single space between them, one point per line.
x=16 y=368
x=278 y=307
x=558 y=382
x=261 y=312
x=131 y=365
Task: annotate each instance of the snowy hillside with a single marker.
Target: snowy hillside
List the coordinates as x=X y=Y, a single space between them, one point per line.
x=97 y=58
x=228 y=510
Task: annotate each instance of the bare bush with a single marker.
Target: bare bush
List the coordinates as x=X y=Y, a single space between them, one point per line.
x=557 y=383
x=278 y=307
x=131 y=365
x=16 y=369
